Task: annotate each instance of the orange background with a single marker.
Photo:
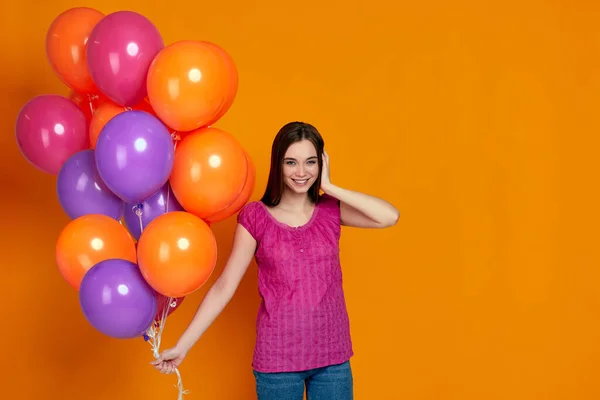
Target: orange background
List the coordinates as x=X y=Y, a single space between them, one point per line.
x=478 y=120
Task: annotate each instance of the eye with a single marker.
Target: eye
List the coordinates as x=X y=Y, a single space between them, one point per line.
x=312 y=162
x=289 y=163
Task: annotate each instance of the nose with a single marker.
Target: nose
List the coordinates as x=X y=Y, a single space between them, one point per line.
x=300 y=170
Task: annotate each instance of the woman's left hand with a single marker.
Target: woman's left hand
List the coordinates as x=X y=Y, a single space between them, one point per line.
x=325 y=179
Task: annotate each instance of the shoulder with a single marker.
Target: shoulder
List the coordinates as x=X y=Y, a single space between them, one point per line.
x=329 y=202
x=330 y=214
x=249 y=210
x=330 y=206
x=251 y=206
x=250 y=217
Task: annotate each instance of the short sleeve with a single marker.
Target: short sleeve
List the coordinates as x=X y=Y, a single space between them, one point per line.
x=331 y=206
x=247 y=218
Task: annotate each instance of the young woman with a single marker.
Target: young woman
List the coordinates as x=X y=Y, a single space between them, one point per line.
x=303 y=334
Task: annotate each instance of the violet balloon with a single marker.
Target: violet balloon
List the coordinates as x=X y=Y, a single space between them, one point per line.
x=81 y=191
x=116 y=300
x=158 y=204
x=50 y=129
x=134 y=155
x=119 y=52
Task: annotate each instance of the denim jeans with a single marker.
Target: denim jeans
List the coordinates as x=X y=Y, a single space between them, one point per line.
x=333 y=382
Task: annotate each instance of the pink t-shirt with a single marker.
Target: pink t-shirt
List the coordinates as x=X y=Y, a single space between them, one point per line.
x=302 y=321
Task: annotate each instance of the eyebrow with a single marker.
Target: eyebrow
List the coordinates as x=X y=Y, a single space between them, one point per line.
x=293 y=159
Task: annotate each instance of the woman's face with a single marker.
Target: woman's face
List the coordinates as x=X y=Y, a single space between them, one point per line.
x=300 y=166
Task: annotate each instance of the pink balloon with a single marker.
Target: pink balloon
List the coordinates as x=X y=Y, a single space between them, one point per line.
x=120 y=50
x=50 y=129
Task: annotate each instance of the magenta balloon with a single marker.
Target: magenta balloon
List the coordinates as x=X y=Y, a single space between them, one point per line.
x=120 y=50
x=116 y=300
x=50 y=129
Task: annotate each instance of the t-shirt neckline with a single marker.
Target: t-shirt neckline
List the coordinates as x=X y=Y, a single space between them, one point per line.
x=289 y=227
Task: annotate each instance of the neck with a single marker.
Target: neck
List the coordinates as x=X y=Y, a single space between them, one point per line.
x=291 y=199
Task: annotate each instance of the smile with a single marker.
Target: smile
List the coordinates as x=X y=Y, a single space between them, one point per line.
x=300 y=181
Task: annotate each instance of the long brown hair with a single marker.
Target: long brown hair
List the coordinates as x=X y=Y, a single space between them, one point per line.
x=290 y=133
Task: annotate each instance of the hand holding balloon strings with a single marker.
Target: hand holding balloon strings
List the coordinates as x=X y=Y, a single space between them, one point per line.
x=154 y=333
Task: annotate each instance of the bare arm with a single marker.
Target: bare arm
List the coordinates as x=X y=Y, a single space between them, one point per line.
x=223 y=289
x=361 y=210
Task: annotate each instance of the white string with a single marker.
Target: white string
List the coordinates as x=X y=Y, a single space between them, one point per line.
x=91 y=98
x=138 y=211
x=154 y=333
x=168 y=196
x=175 y=137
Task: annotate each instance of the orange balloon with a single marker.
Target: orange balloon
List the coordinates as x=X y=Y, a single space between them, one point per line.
x=233 y=83
x=86 y=241
x=189 y=84
x=209 y=171
x=105 y=112
x=242 y=199
x=66 y=42
x=177 y=253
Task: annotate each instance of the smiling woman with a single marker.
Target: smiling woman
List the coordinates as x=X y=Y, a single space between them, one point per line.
x=301 y=165
x=303 y=328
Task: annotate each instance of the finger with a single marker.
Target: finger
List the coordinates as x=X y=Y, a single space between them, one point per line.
x=164 y=366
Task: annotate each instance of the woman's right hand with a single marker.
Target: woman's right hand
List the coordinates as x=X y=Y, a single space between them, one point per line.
x=168 y=360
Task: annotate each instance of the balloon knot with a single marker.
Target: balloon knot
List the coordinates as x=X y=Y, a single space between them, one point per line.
x=138 y=209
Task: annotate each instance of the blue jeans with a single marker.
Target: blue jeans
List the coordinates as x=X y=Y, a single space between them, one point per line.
x=333 y=382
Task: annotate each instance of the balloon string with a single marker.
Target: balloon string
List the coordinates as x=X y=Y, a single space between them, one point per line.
x=154 y=336
x=137 y=209
x=154 y=333
x=168 y=196
x=176 y=138
x=91 y=98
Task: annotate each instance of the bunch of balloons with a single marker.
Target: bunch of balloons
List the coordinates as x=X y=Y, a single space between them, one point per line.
x=140 y=169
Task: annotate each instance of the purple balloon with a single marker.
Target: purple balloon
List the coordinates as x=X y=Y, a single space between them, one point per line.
x=116 y=299
x=120 y=49
x=151 y=208
x=81 y=191
x=50 y=129
x=134 y=155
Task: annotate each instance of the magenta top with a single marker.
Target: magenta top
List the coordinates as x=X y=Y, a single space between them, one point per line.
x=302 y=321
